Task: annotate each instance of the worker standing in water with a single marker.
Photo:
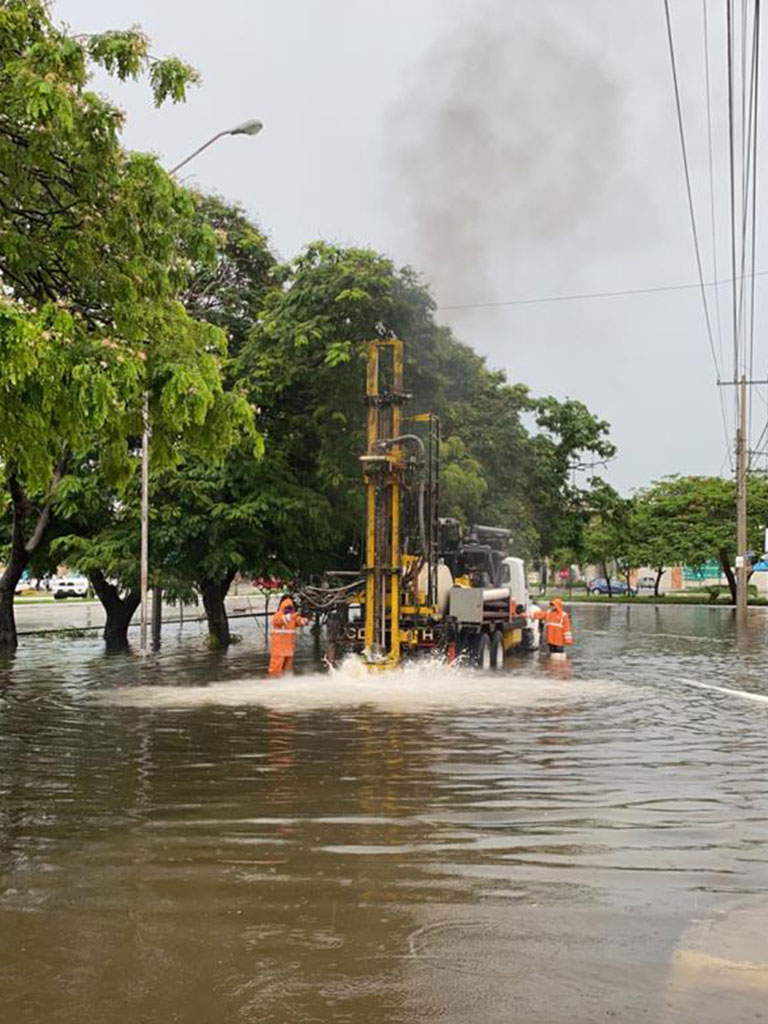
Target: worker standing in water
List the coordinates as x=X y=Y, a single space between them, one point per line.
x=282 y=644
x=557 y=627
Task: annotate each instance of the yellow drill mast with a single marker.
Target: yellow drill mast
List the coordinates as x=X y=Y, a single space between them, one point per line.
x=383 y=468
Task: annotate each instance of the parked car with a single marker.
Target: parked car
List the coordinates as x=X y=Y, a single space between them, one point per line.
x=646 y=584
x=69 y=586
x=600 y=586
x=25 y=584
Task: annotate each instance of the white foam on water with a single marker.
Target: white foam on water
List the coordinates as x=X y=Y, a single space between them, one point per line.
x=760 y=698
x=421 y=686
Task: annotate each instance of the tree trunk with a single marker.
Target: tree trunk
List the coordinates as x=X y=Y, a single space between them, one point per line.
x=20 y=552
x=157 y=616
x=214 y=592
x=607 y=579
x=8 y=639
x=659 y=574
x=119 y=611
x=18 y=557
x=725 y=562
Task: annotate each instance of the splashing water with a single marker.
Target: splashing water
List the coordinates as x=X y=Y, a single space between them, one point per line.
x=412 y=687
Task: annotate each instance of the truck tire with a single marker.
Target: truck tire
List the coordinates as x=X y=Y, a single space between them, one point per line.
x=497 y=650
x=482 y=653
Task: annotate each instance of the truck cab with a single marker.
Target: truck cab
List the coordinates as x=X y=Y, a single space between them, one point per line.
x=513 y=575
x=478 y=556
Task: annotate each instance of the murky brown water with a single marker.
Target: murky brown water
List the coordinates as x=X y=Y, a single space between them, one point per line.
x=184 y=841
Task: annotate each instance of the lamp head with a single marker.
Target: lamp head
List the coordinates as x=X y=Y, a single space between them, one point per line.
x=252 y=127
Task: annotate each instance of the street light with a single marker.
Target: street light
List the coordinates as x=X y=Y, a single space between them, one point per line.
x=251 y=127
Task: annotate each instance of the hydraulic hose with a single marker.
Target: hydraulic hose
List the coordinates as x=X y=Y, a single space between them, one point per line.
x=415 y=438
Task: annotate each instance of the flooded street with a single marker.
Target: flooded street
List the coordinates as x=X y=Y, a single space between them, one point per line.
x=182 y=840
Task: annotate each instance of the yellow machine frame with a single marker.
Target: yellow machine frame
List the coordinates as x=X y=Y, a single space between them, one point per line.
x=383 y=470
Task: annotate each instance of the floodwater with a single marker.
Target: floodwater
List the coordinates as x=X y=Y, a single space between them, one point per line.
x=182 y=840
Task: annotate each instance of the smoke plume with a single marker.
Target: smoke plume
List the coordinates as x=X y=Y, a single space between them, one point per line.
x=511 y=143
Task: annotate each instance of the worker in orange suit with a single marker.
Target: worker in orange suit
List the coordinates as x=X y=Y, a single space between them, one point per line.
x=282 y=645
x=557 y=626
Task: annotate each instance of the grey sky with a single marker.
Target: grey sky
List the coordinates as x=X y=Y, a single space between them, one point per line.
x=508 y=149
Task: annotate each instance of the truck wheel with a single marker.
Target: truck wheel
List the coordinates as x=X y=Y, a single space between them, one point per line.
x=497 y=650
x=482 y=652
x=466 y=648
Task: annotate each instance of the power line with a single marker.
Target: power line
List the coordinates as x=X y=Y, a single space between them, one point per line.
x=748 y=181
x=755 y=122
x=596 y=295
x=731 y=148
x=713 y=222
x=746 y=176
x=678 y=106
x=712 y=179
x=726 y=430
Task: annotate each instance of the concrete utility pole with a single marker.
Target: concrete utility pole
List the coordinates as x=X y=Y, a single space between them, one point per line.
x=742 y=460
x=252 y=127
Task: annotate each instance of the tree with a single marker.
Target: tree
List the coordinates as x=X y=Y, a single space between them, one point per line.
x=228 y=289
x=103 y=523
x=214 y=521
x=656 y=541
x=605 y=537
x=462 y=482
x=570 y=440
x=693 y=519
x=95 y=246
x=299 y=360
x=95 y=529
x=299 y=508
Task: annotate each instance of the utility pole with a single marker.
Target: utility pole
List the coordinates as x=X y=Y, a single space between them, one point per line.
x=742 y=473
x=741 y=506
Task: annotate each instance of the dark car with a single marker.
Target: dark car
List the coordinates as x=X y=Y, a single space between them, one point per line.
x=600 y=586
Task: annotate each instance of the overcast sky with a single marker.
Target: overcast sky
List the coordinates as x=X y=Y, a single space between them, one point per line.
x=508 y=149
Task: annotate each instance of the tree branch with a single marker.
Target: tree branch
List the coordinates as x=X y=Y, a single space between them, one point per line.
x=45 y=513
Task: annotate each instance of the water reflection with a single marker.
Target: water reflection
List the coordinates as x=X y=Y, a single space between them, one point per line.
x=182 y=839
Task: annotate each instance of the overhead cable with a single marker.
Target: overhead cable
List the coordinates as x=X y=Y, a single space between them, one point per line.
x=684 y=149
x=594 y=295
x=755 y=149
x=731 y=157
x=713 y=219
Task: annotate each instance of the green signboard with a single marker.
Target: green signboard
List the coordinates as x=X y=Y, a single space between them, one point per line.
x=706 y=571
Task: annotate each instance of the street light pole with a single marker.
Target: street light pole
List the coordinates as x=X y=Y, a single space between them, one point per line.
x=252 y=127
x=144 y=522
x=246 y=128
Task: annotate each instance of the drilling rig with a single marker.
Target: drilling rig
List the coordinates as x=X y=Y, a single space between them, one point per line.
x=426 y=584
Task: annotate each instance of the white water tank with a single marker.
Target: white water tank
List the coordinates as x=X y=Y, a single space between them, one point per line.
x=444 y=584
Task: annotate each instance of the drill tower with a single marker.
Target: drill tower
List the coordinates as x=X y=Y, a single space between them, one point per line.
x=383 y=468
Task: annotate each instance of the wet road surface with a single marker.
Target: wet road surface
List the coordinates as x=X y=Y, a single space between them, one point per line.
x=40 y=615
x=183 y=840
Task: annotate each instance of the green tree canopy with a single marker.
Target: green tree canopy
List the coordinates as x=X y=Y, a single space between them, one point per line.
x=96 y=246
x=692 y=519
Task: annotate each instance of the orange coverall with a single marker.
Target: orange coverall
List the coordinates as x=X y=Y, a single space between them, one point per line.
x=557 y=625
x=282 y=645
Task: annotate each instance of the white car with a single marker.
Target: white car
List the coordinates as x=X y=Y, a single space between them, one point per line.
x=69 y=586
